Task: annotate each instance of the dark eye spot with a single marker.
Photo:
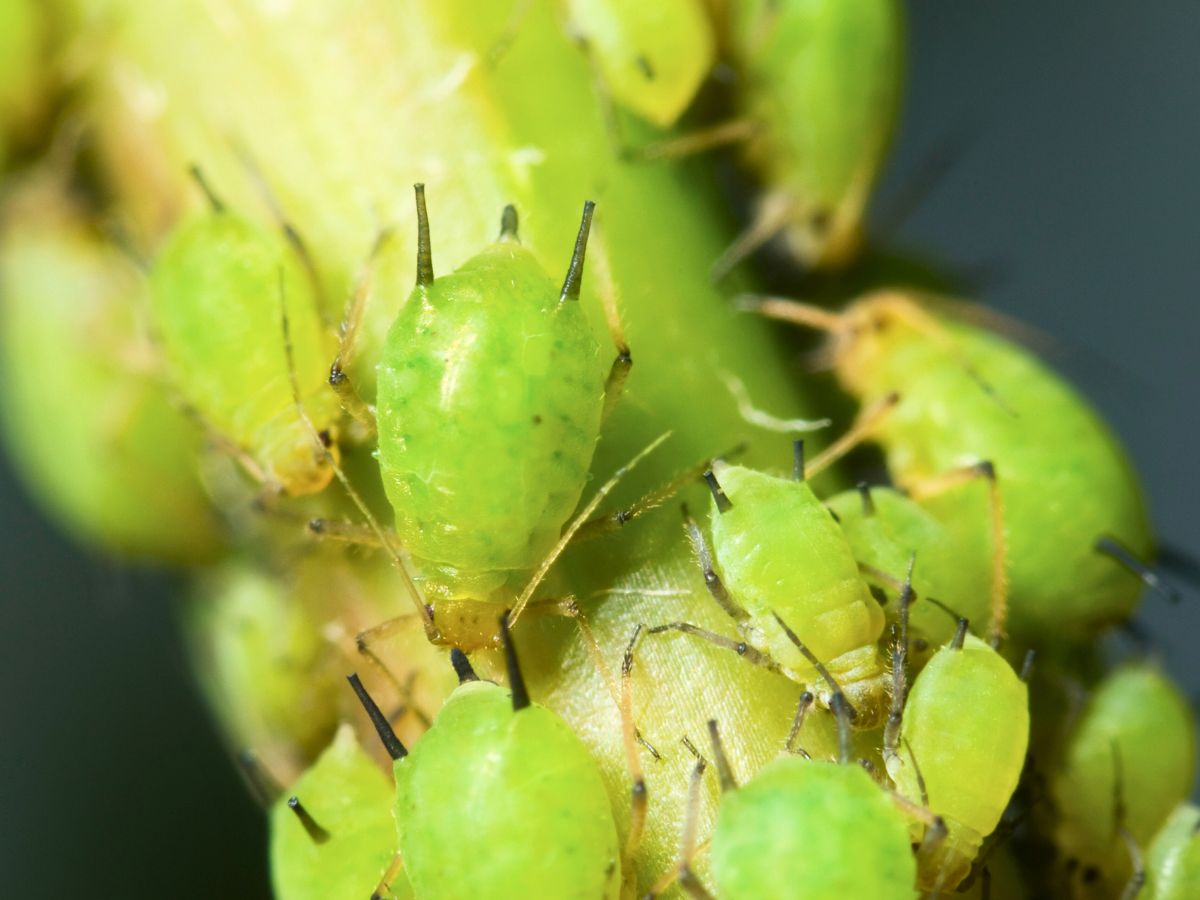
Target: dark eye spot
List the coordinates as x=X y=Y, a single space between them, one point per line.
x=326 y=438
x=537 y=420
x=1091 y=875
x=878 y=594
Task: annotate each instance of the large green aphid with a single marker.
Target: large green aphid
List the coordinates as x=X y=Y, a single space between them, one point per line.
x=332 y=834
x=779 y=563
x=959 y=748
x=221 y=287
x=801 y=828
x=820 y=88
x=501 y=799
x=970 y=396
x=1173 y=860
x=1136 y=719
x=86 y=417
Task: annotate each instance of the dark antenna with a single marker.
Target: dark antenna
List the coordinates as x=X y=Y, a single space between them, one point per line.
x=424 y=248
x=318 y=834
x=798 y=459
x=574 y=279
x=462 y=666
x=802 y=707
x=262 y=783
x=1027 y=664
x=723 y=502
x=218 y=206
x=1114 y=549
x=516 y=681
x=868 y=502
x=724 y=772
x=508 y=224
x=960 y=630
x=383 y=727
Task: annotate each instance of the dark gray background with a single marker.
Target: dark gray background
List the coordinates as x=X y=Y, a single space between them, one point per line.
x=1078 y=187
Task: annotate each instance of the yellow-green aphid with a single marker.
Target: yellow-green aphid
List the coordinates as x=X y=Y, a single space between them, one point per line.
x=820 y=81
x=652 y=57
x=86 y=416
x=885 y=528
x=221 y=287
x=490 y=393
x=1137 y=716
x=779 y=561
x=968 y=396
x=22 y=71
x=1173 y=861
x=332 y=835
x=813 y=829
x=960 y=749
x=501 y=799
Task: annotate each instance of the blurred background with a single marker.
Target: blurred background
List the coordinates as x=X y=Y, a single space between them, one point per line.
x=1074 y=199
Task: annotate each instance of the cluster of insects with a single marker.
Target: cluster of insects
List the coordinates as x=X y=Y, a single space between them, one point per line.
x=920 y=620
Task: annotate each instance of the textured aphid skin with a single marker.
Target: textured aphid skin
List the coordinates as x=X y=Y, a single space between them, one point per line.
x=953 y=559
x=218 y=310
x=1149 y=721
x=489 y=398
x=810 y=829
x=1173 y=860
x=966 y=723
x=652 y=56
x=347 y=796
x=822 y=80
x=93 y=430
x=1064 y=479
x=493 y=804
x=778 y=550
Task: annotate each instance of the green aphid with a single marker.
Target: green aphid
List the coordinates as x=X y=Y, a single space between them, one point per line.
x=332 y=834
x=973 y=402
x=23 y=72
x=959 y=749
x=781 y=567
x=652 y=57
x=1173 y=860
x=500 y=799
x=86 y=417
x=800 y=828
x=819 y=91
x=1133 y=743
x=885 y=528
x=222 y=285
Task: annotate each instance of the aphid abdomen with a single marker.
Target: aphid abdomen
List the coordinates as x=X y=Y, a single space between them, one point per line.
x=1173 y=860
x=810 y=829
x=489 y=401
x=219 y=290
x=966 y=726
x=779 y=551
x=497 y=804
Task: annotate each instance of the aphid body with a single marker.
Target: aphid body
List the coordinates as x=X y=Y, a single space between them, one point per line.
x=812 y=829
x=220 y=288
x=780 y=552
x=1173 y=861
x=964 y=737
x=821 y=84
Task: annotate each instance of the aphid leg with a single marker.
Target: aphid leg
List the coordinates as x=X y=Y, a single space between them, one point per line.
x=775 y=211
x=270 y=488
x=344 y=532
x=895 y=719
x=802 y=708
x=712 y=581
x=384 y=889
x=741 y=648
x=414 y=593
x=512 y=28
x=1137 y=878
x=733 y=131
x=316 y=833
x=691 y=823
x=265 y=788
x=358 y=409
x=629 y=735
x=606 y=286
x=578 y=522
x=938 y=484
x=839 y=704
x=1109 y=546
x=866 y=423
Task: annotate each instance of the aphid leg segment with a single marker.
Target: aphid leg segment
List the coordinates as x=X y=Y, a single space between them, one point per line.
x=864 y=426
x=512 y=28
x=775 y=211
x=711 y=580
x=344 y=532
x=263 y=786
x=741 y=648
x=691 y=820
x=214 y=200
x=609 y=113
x=316 y=833
x=384 y=888
x=360 y=411
x=802 y=707
x=792 y=311
x=723 y=134
x=1137 y=878
x=606 y=288
x=895 y=719
x=938 y=484
x=724 y=771
x=1109 y=546
x=639 y=805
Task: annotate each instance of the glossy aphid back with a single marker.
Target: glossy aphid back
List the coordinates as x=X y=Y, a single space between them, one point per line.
x=220 y=287
x=970 y=395
x=652 y=56
x=778 y=550
x=1173 y=859
x=822 y=80
x=1138 y=716
x=885 y=528
x=965 y=731
x=489 y=399
x=340 y=841
x=818 y=830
